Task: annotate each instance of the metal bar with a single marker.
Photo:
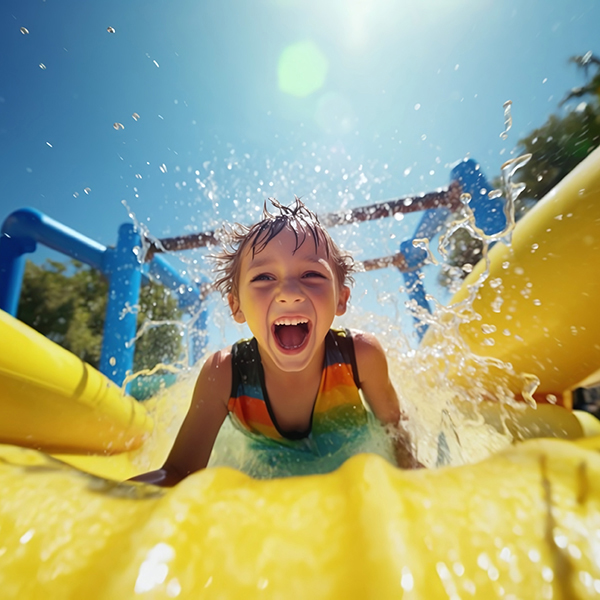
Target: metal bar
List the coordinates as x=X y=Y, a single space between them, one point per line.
x=395 y=260
x=389 y=208
x=379 y=210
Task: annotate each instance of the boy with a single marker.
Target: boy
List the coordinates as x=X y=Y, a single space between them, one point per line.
x=295 y=384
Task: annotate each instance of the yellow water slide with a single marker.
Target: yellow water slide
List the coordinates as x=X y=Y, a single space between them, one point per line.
x=521 y=524
x=539 y=304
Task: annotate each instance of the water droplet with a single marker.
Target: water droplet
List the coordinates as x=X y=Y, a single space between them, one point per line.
x=157 y=65
x=417 y=106
x=407 y=171
x=26 y=537
x=493 y=194
x=407 y=201
x=138 y=176
x=398 y=216
x=112 y=361
x=49 y=144
x=262 y=583
x=537 y=302
x=534 y=247
x=87 y=190
x=467 y=267
x=135 y=116
x=163 y=168
x=76 y=195
x=530 y=384
x=487 y=329
x=110 y=29
x=510 y=167
x=42 y=66
x=118 y=126
x=507 y=119
x=318 y=169
x=497 y=304
x=24 y=30
x=407 y=581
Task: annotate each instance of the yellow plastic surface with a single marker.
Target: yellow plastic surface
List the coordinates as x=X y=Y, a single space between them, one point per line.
x=522 y=524
x=548 y=323
x=52 y=400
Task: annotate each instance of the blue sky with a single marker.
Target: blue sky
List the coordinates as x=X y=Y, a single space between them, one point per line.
x=396 y=91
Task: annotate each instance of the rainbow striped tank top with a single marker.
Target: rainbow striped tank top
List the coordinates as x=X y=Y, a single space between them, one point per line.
x=339 y=414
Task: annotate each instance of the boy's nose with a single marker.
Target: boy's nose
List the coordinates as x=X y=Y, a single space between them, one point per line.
x=289 y=292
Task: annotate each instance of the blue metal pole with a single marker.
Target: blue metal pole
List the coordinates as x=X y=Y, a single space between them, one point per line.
x=125 y=276
x=21 y=231
x=12 y=267
x=189 y=299
x=489 y=212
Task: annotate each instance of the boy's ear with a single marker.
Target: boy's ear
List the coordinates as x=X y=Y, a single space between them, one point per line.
x=234 y=306
x=342 y=300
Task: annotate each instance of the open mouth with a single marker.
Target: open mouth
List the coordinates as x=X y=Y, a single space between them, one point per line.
x=291 y=333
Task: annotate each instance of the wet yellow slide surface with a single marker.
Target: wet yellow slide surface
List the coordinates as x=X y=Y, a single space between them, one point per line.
x=539 y=303
x=52 y=400
x=522 y=524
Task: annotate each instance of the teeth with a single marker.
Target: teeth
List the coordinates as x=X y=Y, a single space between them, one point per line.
x=290 y=321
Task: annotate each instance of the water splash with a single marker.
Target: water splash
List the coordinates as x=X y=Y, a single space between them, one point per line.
x=439 y=395
x=507 y=119
x=423 y=243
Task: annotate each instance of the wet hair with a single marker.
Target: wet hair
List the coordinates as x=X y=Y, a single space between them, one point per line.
x=301 y=220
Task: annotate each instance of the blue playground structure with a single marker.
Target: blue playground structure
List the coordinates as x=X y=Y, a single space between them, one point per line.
x=25 y=228
x=126 y=271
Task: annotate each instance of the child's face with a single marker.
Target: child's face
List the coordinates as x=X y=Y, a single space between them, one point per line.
x=289 y=300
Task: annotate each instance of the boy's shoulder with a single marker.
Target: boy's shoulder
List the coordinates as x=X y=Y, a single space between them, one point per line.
x=216 y=369
x=365 y=340
x=219 y=358
x=368 y=351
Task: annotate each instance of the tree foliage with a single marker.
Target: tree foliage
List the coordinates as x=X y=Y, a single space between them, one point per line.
x=67 y=304
x=562 y=143
x=558 y=146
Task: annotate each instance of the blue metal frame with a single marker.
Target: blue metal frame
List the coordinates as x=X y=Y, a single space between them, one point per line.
x=27 y=227
x=489 y=216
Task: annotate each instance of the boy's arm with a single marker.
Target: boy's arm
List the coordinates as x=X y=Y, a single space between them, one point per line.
x=201 y=425
x=381 y=395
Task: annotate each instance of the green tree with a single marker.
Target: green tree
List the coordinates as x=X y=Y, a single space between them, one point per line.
x=562 y=143
x=558 y=146
x=67 y=304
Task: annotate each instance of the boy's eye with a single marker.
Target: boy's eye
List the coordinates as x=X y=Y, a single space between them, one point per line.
x=314 y=274
x=262 y=277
